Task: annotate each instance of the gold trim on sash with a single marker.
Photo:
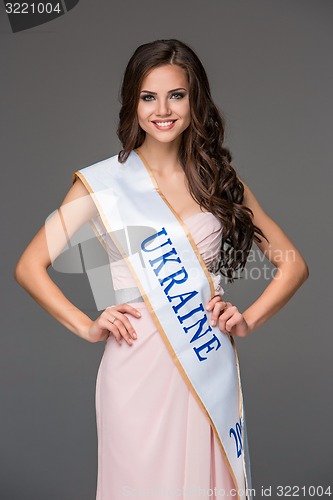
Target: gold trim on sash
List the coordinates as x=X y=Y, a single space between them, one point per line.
x=153 y=314
x=77 y=175
x=240 y=392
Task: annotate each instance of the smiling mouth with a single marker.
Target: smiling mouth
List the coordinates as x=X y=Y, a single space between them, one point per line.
x=166 y=123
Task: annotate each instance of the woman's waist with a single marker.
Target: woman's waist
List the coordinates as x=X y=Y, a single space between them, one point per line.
x=132 y=294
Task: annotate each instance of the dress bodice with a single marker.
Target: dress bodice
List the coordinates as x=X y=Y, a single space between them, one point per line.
x=206 y=231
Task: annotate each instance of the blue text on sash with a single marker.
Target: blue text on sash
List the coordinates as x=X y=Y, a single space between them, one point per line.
x=165 y=255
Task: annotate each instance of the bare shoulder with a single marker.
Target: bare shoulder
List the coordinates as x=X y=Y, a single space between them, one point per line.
x=77 y=207
x=249 y=199
x=78 y=204
x=76 y=191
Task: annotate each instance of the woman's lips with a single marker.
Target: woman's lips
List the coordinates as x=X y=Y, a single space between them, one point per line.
x=164 y=124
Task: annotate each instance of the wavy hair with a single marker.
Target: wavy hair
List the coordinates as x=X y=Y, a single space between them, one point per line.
x=210 y=178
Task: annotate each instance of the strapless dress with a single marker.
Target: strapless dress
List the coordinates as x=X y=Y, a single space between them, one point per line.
x=154 y=440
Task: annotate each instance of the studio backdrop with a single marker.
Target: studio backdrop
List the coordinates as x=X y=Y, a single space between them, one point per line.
x=269 y=64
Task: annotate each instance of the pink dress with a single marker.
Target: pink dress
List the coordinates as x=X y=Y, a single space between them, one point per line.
x=154 y=440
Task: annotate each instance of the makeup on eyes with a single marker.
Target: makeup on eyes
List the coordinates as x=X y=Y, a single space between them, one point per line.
x=147 y=95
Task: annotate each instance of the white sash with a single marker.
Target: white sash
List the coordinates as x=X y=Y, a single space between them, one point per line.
x=176 y=286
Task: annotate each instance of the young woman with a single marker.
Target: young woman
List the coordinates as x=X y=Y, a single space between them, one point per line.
x=168 y=399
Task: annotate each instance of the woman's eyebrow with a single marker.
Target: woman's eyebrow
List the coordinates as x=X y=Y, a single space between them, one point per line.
x=169 y=91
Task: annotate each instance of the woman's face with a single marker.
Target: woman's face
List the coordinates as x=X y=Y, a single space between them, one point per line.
x=164 y=108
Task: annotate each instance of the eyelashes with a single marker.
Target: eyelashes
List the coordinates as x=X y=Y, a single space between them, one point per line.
x=147 y=97
x=174 y=95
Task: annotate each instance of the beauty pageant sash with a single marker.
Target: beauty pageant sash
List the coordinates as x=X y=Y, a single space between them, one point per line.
x=176 y=286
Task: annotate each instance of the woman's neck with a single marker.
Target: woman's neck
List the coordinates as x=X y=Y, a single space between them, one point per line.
x=161 y=157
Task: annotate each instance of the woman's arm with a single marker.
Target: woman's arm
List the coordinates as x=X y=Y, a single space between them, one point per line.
x=31 y=273
x=292 y=271
x=31 y=269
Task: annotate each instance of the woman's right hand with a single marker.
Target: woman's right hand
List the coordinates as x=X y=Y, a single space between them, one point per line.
x=113 y=321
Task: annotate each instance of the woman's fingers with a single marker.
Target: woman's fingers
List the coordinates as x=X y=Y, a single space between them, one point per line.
x=219 y=307
x=233 y=322
x=126 y=308
x=228 y=317
x=211 y=304
x=119 y=322
x=119 y=325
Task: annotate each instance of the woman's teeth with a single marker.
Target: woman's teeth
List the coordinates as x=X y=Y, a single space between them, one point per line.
x=164 y=124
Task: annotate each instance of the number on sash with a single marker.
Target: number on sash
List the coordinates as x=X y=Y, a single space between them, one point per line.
x=237 y=433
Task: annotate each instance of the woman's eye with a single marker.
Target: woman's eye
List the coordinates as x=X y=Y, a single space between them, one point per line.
x=147 y=97
x=150 y=97
x=177 y=95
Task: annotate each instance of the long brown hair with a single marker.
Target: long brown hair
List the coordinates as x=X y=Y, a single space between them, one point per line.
x=210 y=178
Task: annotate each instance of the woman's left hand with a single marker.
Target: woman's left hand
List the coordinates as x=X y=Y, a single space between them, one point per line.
x=227 y=317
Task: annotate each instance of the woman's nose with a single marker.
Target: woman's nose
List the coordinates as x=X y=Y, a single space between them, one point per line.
x=163 y=107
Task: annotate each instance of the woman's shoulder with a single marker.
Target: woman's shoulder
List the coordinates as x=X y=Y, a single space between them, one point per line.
x=249 y=199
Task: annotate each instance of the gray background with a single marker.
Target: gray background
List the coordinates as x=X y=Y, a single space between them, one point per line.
x=269 y=63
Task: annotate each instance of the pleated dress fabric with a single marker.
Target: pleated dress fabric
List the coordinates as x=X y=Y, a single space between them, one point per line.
x=154 y=440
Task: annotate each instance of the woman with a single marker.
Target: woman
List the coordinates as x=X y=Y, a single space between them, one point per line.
x=168 y=399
